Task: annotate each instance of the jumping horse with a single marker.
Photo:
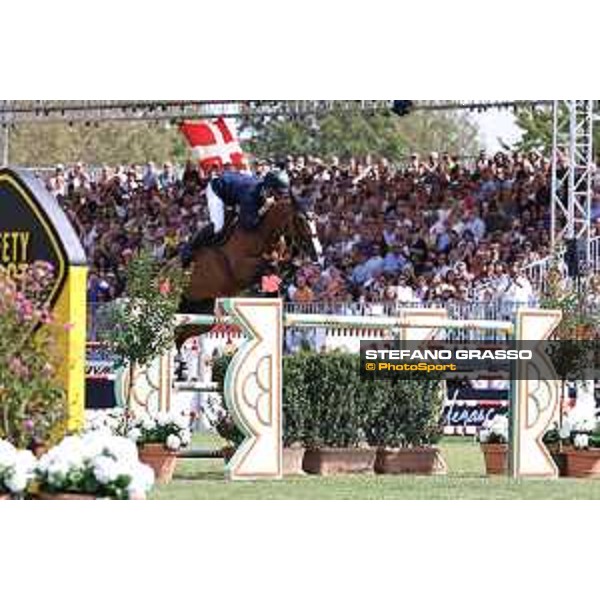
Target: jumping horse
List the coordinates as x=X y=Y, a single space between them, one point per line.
x=230 y=267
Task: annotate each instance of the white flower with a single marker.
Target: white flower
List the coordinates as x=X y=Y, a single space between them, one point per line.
x=581 y=441
x=134 y=434
x=496 y=427
x=16 y=474
x=106 y=469
x=173 y=442
x=581 y=419
x=142 y=480
x=108 y=458
x=589 y=424
x=109 y=421
x=6 y=447
x=499 y=426
x=565 y=431
x=17 y=481
x=148 y=423
x=186 y=437
x=181 y=421
x=162 y=419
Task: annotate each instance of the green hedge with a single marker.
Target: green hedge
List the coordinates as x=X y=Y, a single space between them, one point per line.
x=326 y=403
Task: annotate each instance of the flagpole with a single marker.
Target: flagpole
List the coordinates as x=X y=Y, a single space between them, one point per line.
x=5 y=146
x=6 y=119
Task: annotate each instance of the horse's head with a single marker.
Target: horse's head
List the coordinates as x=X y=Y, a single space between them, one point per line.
x=292 y=218
x=303 y=229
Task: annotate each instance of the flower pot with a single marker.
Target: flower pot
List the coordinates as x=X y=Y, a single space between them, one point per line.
x=161 y=460
x=69 y=496
x=496 y=458
x=64 y=496
x=292 y=461
x=422 y=461
x=331 y=461
x=585 y=332
x=583 y=463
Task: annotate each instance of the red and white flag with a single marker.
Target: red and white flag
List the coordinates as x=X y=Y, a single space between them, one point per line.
x=214 y=143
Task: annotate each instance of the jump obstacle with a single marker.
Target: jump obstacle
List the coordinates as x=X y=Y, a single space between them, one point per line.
x=253 y=383
x=33 y=227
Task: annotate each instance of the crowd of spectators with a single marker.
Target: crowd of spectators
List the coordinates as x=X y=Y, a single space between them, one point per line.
x=434 y=229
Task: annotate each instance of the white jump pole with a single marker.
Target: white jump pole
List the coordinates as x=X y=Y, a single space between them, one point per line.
x=534 y=403
x=350 y=321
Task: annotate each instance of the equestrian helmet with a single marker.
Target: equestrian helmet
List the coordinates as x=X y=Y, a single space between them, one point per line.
x=278 y=181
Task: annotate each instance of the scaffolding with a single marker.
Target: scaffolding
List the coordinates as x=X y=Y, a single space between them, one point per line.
x=92 y=111
x=572 y=173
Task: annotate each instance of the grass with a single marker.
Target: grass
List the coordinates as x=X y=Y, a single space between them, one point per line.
x=204 y=479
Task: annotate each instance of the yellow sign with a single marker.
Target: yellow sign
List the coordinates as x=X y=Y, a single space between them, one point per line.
x=33 y=227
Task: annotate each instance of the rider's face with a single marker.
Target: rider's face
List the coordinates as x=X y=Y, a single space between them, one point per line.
x=278 y=194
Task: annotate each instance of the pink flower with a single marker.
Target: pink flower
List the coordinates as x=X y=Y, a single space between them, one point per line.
x=17 y=367
x=165 y=287
x=27 y=309
x=68 y=326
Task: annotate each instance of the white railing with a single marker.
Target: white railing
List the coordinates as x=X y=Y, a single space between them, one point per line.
x=495 y=310
x=537 y=271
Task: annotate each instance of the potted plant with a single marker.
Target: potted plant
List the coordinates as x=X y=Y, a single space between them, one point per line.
x=159 y=438
x=92 y=465
x=574 y=342
x=336 y=407
x=294 y=411
x=17 y=469
x=407 y=426
x=580 y=436
x=140 y=327
x=33 y=406
x=493 y=438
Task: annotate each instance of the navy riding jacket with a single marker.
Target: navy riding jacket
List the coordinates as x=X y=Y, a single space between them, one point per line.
x=240 y=189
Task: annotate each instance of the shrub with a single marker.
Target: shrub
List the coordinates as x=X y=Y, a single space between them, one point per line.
x=33 y=406
x=407 y=411
x=333 y=406
x=326 y=403
x=141 y=326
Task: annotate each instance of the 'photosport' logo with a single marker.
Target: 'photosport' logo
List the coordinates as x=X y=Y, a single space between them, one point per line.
x=483 y=359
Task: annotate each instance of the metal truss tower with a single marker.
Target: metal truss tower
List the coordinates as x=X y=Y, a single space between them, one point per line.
x=572 y=172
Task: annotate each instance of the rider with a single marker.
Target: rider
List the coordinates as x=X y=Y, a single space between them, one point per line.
x=249 y=192
x=252 y=194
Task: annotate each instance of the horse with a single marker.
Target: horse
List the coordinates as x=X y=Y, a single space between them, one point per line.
x=229 y=268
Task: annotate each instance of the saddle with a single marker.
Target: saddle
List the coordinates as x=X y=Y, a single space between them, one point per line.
x=207 y=238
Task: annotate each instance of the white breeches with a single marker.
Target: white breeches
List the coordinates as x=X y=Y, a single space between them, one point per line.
x=216 y=209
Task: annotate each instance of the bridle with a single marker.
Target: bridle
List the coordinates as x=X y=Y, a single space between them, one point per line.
x=304 y=238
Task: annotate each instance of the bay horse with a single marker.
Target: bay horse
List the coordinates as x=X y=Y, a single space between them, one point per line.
x=230 y=268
